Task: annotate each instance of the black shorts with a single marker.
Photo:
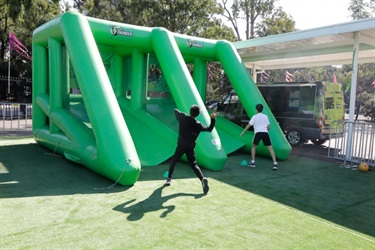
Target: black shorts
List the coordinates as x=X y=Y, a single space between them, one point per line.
x=264 y=136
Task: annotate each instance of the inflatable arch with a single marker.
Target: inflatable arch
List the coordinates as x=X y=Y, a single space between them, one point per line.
x=104 y=94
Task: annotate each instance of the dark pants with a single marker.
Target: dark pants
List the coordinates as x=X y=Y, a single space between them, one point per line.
x=190 y=155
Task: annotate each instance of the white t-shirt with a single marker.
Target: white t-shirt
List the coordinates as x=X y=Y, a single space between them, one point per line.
x=260 y=122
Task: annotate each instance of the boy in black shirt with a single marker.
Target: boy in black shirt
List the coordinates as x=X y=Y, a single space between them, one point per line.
x=189 y=129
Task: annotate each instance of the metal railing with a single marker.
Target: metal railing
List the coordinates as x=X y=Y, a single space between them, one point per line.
x=15 y=116
x=356 y=145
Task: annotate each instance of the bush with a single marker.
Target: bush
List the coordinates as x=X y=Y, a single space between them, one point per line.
x=367 y=102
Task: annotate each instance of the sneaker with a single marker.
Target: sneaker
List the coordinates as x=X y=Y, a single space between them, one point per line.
x=168 y=182
x=274 y=166
x=251 y=164
x=205 y=185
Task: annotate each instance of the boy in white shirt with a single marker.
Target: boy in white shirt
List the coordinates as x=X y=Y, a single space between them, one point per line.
x=261 y=127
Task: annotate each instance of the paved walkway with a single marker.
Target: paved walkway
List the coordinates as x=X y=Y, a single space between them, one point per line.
x=22 y=127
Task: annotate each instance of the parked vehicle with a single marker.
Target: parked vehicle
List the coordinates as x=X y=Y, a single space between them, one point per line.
x=305 y=110
x=211 y=104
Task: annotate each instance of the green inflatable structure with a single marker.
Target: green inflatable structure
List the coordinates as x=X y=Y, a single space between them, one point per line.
x=104 y=94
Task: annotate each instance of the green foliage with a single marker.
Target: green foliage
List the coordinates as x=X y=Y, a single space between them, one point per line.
x=365 y=77
x=218 y=31
x=15 y=17
x=191 y=17
x=218 y=85
x=278 y=22
x=21 y=17
x=15 y=7
x=362 y=9
x=367 y=101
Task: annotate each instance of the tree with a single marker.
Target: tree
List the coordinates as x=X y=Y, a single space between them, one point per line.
x=261 y=19
x=191 y=17
x=15 y=17
x=362 y=9
x=9 y=14
x=251 y=11
x=217 y=83
x=278 y=22
x=365 y=90
x=36 y=14
x=21 y=17
x=368 y=104
x=231 y=17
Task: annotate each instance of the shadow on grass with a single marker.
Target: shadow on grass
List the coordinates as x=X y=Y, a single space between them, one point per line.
x=308 y=184
x=307 y=181
x=303 y=182
x=153 y=203
x=28 y=170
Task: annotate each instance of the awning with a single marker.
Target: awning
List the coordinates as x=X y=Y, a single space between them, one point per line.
x=329 y=45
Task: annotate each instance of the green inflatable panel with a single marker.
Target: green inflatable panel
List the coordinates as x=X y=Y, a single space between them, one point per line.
x=104 y=94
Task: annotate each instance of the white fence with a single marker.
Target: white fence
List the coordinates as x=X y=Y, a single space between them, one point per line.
x=356 y=145
x=15 y=116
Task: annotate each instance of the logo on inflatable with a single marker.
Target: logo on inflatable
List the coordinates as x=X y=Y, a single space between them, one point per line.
x=116 y=30
x=191 y=43
x=215 y=141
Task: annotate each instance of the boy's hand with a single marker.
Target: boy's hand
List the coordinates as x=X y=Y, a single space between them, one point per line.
x=213 y=115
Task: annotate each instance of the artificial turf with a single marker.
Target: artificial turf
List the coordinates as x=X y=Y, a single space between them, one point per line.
x=48 y=202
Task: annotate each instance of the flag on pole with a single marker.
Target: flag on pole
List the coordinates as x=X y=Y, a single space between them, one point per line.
x=359 y=88
x=334 y=78
x=16 y=45
x=264 y=77
x=288 y=76
x=373 y=83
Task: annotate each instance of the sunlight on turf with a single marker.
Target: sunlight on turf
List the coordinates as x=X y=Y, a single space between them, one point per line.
x=9 y=182
x=6 y=141
x=3 y=169
x=302 y=214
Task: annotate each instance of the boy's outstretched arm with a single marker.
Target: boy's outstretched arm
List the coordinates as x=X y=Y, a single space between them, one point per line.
x=246 y=128
x=213 y=122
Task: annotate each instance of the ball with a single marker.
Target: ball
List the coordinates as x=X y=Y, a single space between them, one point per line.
x=363 y=167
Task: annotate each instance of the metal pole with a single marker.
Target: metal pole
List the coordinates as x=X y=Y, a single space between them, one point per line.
x=353 y=90
x=9 y=72
x=254 y=73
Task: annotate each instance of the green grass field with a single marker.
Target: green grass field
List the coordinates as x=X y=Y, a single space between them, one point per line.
x=48 y=202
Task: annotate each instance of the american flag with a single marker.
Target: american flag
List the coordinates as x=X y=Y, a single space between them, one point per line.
x=334 y=78
x=264 y=77
x=288 y=76
x=16 y=45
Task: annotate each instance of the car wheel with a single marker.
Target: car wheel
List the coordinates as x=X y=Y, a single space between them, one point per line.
x=294 y=136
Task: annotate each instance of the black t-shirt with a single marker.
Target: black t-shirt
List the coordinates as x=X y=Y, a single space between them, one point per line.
x=189 y=129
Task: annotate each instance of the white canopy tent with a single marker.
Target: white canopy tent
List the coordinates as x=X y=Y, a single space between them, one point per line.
x=345 y=43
